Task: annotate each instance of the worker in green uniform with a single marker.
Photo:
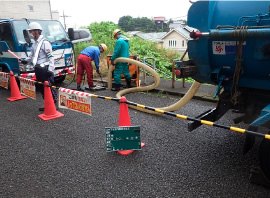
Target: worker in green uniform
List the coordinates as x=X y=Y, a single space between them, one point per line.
x=121 y=49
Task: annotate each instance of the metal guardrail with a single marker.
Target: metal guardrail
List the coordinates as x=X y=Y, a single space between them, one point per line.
x=154 y=68
x=145 y=73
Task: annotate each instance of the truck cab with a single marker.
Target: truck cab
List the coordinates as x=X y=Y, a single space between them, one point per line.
x=12 y=37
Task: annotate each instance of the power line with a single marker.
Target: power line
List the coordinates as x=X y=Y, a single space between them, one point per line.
x=64 y=17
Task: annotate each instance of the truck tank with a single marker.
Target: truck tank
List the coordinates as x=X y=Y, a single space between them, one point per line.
x=231 y=49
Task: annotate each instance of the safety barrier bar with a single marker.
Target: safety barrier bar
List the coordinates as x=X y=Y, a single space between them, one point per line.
x=204 y=122
x=36 y=82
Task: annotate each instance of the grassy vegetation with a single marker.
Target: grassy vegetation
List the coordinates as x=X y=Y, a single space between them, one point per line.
x=102 y=33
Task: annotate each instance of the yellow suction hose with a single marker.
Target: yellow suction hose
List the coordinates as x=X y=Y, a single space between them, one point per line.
x=184 y=100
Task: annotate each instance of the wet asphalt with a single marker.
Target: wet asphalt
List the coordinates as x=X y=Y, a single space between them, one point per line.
x=66 y=157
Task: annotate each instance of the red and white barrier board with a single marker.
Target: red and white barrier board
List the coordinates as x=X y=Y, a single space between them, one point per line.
x=74 y=100
x=4 y=79
x=28 y=88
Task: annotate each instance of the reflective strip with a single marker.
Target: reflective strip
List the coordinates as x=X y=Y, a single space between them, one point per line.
x=207 y=122
x=159 y=111
x=181 y=116
x=267 y=137
x=108 y=98
x=237 y=129
x=141 y=106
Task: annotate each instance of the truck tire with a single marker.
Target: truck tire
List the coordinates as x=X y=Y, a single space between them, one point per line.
x=264 y=157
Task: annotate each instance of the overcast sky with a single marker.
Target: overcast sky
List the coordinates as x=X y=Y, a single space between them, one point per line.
x=84 y=12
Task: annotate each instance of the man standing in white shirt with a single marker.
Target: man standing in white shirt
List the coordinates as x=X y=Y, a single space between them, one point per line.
x=42 y=59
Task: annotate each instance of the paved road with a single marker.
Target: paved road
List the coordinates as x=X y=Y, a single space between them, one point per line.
x=67 y=157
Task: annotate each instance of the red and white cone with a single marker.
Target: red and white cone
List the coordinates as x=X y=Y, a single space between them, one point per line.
x=49 y=106
x=14 y=89
x=124 y=120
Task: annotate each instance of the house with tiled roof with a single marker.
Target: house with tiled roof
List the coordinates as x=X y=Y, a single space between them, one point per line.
x=152 y=36
x=177 y=37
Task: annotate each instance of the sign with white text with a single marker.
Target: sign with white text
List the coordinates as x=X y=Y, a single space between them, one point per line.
x=123 y=138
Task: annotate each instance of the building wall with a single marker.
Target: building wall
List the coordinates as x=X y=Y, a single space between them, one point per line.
x=32 y=9
x=55 y=15
x=174 y=41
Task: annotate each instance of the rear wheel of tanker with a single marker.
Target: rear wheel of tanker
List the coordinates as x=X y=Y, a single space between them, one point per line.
x=264 y=157
x=59 y=79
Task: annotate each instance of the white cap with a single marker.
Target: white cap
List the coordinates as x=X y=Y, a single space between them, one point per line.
x=34 y=26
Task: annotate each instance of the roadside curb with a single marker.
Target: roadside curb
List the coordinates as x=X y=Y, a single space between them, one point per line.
x=205 y=92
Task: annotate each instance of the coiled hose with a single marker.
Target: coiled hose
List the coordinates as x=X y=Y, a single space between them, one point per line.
x=184 y=100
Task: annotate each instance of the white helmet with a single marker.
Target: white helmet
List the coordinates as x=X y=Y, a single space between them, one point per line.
x=34 y=26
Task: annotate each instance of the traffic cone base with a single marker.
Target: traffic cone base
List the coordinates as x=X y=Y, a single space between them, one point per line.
x=11 y=99
x=50 y=117
x=14 y=89
x=127 y=152
x=49 y=106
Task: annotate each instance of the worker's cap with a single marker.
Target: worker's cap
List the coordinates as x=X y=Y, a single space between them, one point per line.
x=103 y=46
x=34 y=26
x=116 y=31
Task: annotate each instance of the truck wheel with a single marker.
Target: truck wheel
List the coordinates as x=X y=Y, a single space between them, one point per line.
x=59 y=79
x=264 y=157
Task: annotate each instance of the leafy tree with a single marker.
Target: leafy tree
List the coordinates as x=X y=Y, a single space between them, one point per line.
x=123 y=22
x=144 y=24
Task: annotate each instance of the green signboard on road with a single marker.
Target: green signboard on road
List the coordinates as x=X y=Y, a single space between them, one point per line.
x=123 y=138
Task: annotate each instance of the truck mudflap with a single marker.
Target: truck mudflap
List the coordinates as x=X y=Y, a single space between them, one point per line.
x=57 y=72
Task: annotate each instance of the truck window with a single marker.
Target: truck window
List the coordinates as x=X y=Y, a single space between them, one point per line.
x=53 y=31
x=6 y=35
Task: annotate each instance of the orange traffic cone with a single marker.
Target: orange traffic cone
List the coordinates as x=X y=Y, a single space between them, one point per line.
x=14 y=89
x=49 y=106
x=124 y=120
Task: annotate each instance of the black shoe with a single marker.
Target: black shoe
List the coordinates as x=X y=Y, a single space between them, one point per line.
x=80 y=89
x=41 y=109
x=116 y=87
x=128 y=85
x=91 y=86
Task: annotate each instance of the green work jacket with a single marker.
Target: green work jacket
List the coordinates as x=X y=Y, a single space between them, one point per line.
x=121 y=48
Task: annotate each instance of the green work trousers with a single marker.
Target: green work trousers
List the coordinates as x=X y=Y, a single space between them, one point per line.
x=121 y=68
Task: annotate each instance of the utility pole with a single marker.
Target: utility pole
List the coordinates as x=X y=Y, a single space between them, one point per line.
x=64 y=17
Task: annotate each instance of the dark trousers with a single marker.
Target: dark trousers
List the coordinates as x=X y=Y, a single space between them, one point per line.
x=42 y=76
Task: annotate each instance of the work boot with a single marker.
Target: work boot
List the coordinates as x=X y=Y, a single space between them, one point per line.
x=79 y=88
x=128 y=85
x=116 y=87
x=90 y=87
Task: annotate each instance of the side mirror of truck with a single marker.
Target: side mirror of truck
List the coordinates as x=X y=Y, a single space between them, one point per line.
x=81 y=35
x=71 y=33
x=26 y=36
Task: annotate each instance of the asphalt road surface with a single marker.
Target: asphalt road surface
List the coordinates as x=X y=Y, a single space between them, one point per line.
x=66 y=157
